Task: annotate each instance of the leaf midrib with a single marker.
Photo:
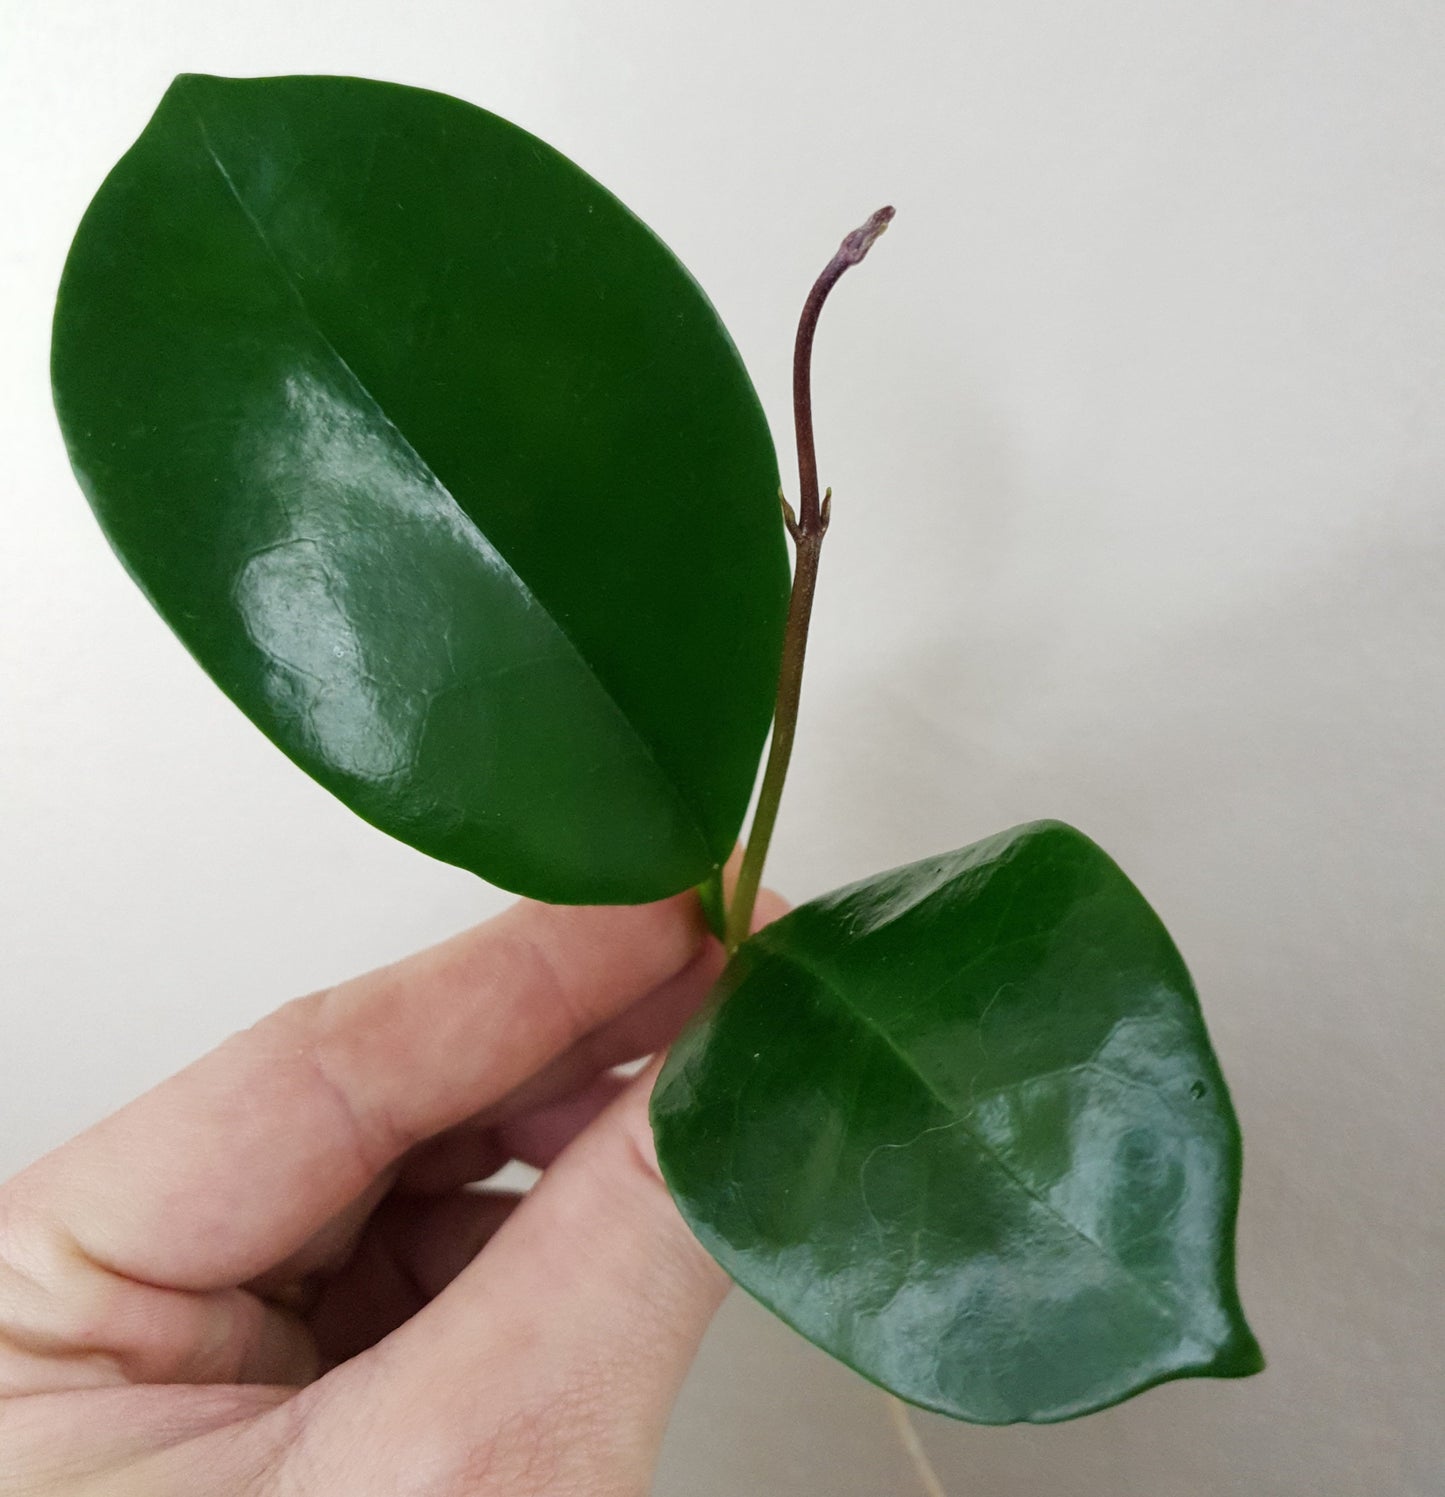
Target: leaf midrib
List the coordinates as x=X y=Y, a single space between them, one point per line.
x=963 y=1121
x=648 y=753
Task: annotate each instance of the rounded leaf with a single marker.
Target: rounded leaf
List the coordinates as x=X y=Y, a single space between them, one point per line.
x=442 y=466
x=960 y=1124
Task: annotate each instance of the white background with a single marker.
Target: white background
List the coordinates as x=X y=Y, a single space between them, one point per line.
x=1135 y=425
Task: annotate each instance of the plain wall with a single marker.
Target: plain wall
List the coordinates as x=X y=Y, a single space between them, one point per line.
x=1134 y=423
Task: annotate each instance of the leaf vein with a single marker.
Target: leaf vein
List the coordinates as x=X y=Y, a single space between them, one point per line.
x=866 y=1021
x=647 y=750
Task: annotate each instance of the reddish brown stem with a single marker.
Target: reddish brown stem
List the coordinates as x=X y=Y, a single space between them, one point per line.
x=807 y=528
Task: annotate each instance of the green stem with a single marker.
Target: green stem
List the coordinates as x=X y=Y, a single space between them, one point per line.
x=807 y=528
x=785 y=723
x=714 y=903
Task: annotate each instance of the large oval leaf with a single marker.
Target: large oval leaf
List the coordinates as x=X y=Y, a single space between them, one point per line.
x=442 y=466
x=960 y=1124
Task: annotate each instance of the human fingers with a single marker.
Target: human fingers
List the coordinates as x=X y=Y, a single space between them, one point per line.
x=413 y=1247
x=478 y=1147
x=235 y=1163
x=508 y=1129
x=551 y=1362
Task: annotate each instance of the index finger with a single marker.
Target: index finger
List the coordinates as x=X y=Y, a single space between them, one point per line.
x=231 y=1165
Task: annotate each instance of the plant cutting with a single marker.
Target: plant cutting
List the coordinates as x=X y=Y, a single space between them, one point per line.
x=447 y=472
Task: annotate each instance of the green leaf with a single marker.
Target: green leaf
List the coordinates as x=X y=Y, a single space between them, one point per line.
x=442 y=466
x=960 y=1125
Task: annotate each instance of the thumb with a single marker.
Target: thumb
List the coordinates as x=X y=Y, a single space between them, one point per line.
x=552 y=1362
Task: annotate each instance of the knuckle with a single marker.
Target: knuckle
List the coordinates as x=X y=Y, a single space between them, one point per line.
x=55 y=1319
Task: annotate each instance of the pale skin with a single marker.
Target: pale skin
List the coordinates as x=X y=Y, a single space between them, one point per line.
x=265 y=1279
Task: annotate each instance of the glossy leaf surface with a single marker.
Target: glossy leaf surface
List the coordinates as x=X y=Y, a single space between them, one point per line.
x=960 y=1124
x=442 y=466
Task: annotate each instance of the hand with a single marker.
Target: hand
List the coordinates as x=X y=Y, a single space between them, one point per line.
x=264 y=1277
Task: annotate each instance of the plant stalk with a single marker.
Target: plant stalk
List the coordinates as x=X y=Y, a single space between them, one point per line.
x=785 y=723
x=807 y=528
x=913 y=1447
